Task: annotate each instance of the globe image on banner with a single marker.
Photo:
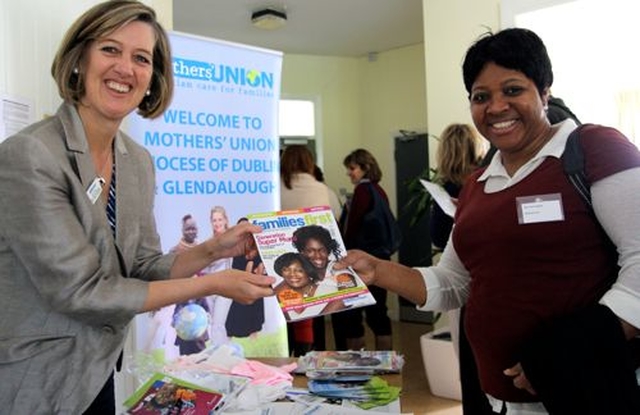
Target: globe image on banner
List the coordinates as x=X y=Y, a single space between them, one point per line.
x=191 y=322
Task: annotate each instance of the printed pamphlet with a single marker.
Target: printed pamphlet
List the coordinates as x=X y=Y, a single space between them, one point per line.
x=164 y=394
x=299 y=248
x=441 y=197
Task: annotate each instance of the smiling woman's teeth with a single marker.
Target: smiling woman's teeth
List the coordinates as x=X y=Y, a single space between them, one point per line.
x=504 y=124
x=118 y=87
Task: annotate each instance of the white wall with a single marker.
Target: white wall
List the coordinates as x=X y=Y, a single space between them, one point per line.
x=450 y=27
x=29 y=36
x=30 y=32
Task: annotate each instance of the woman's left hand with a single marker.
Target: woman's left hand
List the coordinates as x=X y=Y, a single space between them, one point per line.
x=520 y=380
x=236 y=241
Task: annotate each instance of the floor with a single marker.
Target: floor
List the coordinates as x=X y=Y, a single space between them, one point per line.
x=416 y=396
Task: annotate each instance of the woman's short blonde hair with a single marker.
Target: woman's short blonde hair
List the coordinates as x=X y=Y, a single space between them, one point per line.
x=459 y=153
x=97 y=22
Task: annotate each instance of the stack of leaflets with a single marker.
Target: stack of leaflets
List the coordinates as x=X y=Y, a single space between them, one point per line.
x=344 y=365
x=299 y=248
x=164 y=394
x=374 y=392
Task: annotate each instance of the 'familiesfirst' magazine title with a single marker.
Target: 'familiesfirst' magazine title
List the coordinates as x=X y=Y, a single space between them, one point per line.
x=299 y=248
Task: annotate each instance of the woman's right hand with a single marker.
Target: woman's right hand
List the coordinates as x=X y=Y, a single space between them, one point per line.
x=362 y=263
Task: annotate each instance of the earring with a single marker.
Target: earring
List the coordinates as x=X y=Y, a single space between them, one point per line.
x=75 y=70
x=148 y=92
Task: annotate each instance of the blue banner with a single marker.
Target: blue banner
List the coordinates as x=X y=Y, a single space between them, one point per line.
x=216 y=157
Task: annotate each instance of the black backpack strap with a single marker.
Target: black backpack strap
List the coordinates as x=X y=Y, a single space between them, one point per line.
x=573 y=163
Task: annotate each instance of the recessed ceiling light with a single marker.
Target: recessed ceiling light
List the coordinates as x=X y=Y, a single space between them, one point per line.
x=268 y=18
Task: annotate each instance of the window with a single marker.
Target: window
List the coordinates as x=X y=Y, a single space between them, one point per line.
x=296 y=118
x=592 y=45
x=297 y=125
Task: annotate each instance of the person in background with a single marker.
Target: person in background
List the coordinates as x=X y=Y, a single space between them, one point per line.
x=75 y=267
x=538 y=284
x=459 y=153
x=300 y=189
x=188 y=241
x=362 y=169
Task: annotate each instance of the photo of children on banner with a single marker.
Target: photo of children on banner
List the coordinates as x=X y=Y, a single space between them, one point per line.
x=299 y=287
x=189 y=339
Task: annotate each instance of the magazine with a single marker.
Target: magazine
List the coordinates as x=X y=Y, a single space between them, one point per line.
x=321 y=364
x=299 y=248
x=442 y=198
x=231 y=386
x=164 y=394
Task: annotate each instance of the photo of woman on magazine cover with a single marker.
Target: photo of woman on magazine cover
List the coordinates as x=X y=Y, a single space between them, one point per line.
x=300 y=282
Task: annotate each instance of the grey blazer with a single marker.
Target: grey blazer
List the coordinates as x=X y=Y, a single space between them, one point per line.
x=68 y=290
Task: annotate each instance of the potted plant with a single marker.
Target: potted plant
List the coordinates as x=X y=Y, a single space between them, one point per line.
x=439 y=353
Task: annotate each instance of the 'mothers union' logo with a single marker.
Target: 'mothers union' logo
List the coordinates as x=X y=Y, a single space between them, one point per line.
x=222 y=78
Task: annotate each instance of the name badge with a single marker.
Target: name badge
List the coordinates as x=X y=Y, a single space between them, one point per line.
x=95 y=189
x=540 y=208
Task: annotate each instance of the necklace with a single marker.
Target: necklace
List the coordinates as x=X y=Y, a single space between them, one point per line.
x=307 y=293
x=105 y=164
x=186 y=245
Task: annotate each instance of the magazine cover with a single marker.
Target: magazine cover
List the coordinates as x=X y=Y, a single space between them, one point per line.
x=163 y=394
x=299 y=248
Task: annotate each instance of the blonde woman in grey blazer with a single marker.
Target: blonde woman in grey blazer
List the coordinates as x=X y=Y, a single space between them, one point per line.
x=70 y=283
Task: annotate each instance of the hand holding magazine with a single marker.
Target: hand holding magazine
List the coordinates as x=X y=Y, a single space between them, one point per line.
x=299 y=248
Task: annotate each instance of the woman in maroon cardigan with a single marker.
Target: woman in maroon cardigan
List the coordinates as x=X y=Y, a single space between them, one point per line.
x=348 y=330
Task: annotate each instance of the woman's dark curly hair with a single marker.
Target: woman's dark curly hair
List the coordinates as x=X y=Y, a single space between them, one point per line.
x=515 y=48
x=302 y=235
x=288 y=258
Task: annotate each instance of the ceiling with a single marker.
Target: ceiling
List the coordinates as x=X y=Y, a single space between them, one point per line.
x=349 y=28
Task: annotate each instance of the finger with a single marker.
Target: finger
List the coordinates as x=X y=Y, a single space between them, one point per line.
x=261 y=280
x=513 y=370
x=346 y=261
x=250 y=227
x=521 y=382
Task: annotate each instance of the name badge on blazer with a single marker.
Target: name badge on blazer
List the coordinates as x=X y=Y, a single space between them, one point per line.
x=95 y=189
x=540 y=208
